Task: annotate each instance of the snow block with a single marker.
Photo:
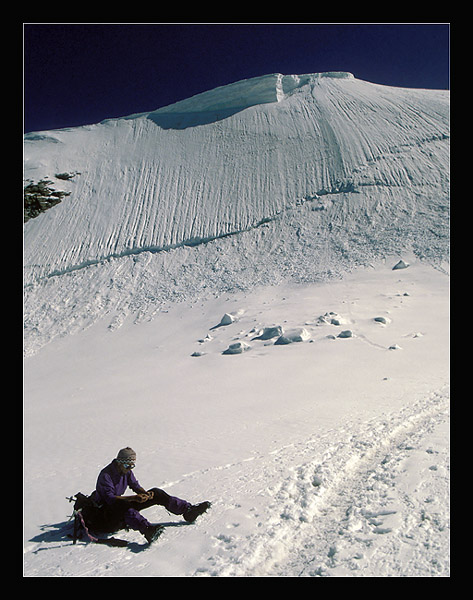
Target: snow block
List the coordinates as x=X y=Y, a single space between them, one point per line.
x=270 y=332
x=236 y=348
x=400 y=265
x=382 y=320
x=295 y=335
x=227 y=319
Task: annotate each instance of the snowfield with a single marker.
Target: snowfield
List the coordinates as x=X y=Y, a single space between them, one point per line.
x=219 y=293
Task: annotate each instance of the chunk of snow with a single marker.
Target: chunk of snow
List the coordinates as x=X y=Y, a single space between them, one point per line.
x=382 y=320
x=295 y=335
x=227 y=319
x=236 y=348
x=400 y=265
x=270 y=332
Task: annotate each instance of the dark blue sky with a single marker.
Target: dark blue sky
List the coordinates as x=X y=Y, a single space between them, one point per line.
x=76 y=74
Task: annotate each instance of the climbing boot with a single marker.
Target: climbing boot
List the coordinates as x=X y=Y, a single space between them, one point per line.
x=195 y=511
x=153 y=532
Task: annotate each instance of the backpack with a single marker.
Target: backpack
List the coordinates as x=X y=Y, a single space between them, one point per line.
x=87 y=515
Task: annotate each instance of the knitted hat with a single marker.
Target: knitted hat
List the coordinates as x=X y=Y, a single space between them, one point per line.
x=126 y=454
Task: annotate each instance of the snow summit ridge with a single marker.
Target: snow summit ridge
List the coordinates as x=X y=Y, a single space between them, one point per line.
x=246 y=93
x=226 y=100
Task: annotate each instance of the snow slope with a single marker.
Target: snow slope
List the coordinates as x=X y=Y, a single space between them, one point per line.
x=332 y=161
x=279 y=201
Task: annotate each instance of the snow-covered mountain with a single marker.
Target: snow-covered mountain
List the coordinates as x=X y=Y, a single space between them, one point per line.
x=299 y=175
x=190 y=236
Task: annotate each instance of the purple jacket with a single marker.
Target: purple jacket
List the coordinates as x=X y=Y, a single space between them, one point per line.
x=111 y=483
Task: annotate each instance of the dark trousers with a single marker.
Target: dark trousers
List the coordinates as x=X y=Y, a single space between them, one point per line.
x=122 y=513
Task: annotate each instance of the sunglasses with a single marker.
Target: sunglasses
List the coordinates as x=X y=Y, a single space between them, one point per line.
x=127 y=464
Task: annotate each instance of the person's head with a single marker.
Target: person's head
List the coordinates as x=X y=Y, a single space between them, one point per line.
x=126 y=459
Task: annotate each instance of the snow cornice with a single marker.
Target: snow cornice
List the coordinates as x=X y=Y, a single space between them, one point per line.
x=248 y=92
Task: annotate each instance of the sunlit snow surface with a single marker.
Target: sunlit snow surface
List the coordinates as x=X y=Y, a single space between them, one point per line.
x=282 y=201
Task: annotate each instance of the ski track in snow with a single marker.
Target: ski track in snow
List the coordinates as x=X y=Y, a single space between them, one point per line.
x=346 y=503
x=341 y=506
